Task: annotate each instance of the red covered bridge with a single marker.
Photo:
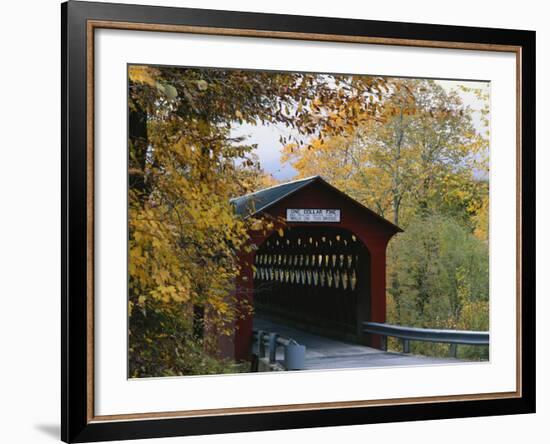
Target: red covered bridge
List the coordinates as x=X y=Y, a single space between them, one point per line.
x=321 y=268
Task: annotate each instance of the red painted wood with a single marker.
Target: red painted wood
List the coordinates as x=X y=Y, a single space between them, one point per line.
x=373 y=231
x=244 y=291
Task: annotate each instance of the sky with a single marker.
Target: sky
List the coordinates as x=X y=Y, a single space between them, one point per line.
x=269 y=147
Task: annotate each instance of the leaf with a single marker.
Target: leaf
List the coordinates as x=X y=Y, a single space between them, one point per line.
x=142 y=74
x=171 y=92
x=160 y=87
x=202 y=85
x=168 y=90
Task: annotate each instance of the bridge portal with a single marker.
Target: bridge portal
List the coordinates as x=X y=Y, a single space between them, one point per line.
x=321 y=266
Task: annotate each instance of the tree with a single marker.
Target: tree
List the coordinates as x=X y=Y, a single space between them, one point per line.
x=184 y=167
x=421 y=153
x=441 y=280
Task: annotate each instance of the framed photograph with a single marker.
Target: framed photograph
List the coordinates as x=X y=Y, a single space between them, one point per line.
x=276 y=221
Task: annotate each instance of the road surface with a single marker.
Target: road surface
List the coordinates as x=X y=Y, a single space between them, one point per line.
x=326 y=353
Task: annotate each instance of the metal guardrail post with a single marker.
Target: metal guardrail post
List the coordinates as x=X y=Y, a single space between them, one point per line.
x=272 y=347
x=406 y=345
x=384 y=343
x=261 y=346
x=453 y=350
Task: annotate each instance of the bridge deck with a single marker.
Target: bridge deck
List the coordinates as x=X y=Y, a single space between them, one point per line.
x=327 y=353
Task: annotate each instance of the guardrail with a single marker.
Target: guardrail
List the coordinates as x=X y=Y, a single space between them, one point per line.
x=407 y=334
x=294 y=353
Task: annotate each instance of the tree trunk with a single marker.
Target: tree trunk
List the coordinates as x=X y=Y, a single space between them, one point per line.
x=137 y=134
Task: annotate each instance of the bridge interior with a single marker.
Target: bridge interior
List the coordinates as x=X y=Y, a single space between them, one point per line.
x=316 y=279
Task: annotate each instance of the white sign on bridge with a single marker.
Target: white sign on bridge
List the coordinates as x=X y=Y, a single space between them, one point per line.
x=312 y=215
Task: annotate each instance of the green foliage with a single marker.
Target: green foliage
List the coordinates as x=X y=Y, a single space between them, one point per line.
x=439 y=278
x=162 y=343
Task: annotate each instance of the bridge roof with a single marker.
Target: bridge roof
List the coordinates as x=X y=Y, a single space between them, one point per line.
x=259 y=201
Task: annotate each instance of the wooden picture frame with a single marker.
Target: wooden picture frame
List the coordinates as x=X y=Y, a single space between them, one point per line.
x=79 y=22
